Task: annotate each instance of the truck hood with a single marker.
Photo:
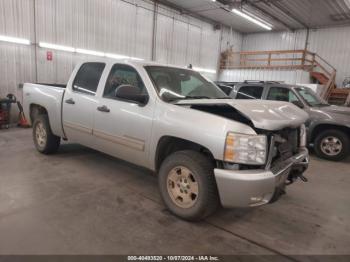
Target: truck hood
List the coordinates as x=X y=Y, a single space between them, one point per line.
x=339 y=115
x=332 y=109
x=267 y=115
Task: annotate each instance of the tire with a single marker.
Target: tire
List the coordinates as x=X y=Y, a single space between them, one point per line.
x=44 y=140
x=340 y=141
x=200 y=195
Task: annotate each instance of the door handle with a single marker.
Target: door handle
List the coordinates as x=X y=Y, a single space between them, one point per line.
x=70 y=101
x=103 y=109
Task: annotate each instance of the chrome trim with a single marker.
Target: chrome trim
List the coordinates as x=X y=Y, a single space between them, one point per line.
x=121 y=140
x=302 y=158
x=254 y=187
x=78 y=127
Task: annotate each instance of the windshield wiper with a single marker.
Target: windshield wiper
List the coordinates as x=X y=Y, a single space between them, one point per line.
x=320 y=105
x=196 y=97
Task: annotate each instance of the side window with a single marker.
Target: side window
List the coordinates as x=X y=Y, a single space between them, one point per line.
x=250 y=92
x=281 y=94
x=88 y=77
x=122 y=75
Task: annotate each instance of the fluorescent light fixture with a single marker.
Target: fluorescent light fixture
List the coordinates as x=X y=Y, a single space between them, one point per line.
x=257 y=18
x=136 y=59
x=89 y=52
x=86 y=52
x=14 y=40
x=251 y=19
x=204 y=70
x=57 y=47
x=116 y=56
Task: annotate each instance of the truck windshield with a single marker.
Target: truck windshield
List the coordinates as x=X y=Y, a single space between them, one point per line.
x=176 y=84
x=310 y=97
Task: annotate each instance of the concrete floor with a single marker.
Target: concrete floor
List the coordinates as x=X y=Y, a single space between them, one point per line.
x=80 y=201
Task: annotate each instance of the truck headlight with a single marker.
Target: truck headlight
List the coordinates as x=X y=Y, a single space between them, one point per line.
x=245 y=149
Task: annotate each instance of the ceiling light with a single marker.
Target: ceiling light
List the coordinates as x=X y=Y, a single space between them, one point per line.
x=136 y=59
x=86 y=52
x=257 y=18
x=14 y=40
x=205 y=70
x=57 y=47
x=251 y=19
x=89 y=52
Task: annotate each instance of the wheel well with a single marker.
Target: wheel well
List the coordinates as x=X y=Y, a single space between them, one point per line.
x=322 y=127
x=168 y=145
x=36 y=110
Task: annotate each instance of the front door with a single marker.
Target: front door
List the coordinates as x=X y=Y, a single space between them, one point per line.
x=79 y=103
x=123 y=128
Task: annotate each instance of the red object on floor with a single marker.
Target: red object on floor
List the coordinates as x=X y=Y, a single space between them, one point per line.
x=22 y=121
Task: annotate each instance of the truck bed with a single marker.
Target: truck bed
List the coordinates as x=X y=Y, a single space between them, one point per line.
x=47 y=96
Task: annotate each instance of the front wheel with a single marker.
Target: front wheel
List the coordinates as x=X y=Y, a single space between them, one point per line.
x=45 y=141
x=187 y=185
x=332 y=145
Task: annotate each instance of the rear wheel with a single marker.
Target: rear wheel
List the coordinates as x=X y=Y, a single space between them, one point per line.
x=332 y=145
x=187 y=185
x=45 y=141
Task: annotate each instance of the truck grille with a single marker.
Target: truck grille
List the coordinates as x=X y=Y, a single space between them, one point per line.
x=285 y=145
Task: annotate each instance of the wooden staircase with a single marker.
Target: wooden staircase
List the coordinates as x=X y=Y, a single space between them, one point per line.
x=321 y=78
x=320 y=70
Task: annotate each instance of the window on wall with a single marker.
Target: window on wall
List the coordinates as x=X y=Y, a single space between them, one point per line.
x=122 y=75
x=88 y=77
x=250 y=92
x=281 y=94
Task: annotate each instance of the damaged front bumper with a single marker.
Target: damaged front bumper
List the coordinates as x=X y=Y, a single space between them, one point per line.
x=245 y=188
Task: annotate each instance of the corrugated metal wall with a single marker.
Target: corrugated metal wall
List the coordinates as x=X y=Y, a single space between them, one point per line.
x=16 y=61
x=286 y=76
x=231 y=39
x=126 y=27
x=333 y=44
x=274 y=41
x=112 y=26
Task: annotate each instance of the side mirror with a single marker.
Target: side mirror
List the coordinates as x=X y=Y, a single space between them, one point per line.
x=131 y=93
x=298 y=104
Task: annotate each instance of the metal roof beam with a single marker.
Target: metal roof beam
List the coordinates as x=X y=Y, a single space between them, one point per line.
x=286 y=12
x=270 y=15
x=186 y=11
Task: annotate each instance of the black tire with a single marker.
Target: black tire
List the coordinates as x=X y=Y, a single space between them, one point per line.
x=202 y=169
x=341 y=136
x=51 y=142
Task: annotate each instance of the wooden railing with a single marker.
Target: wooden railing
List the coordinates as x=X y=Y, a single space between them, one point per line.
x=282 y=60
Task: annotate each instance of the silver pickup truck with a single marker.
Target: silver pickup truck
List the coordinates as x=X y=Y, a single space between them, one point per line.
x=206 y=148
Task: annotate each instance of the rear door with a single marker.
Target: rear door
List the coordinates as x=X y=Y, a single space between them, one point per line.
x=80 y=102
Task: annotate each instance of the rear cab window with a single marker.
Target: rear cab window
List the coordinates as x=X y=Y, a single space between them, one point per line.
x=250 y=92
x=88 y=77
